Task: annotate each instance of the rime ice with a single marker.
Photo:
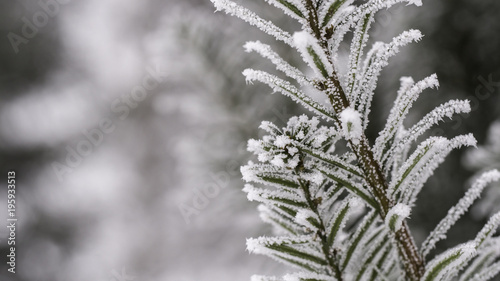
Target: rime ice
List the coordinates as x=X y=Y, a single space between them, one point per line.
x=351 y=124
x=396 y=215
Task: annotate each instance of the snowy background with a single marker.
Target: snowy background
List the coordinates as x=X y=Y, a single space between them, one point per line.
x=126 y=123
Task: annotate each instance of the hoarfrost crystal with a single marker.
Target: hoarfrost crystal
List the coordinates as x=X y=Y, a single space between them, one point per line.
x=351 y=124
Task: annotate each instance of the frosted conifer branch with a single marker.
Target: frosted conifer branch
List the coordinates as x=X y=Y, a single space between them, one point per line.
x=266 y=52
x=276 y=197
x=417 y=160
x=378 y=245
x=354 y=187
x=312 y=53
x=354 y=243
x=289 y=90
x=395 y=217
x=436 y=115
x=444 y=265
x=283 y=223
x=308 y=219
x=310 y=191
x=373 y=6
x=270 y=175
x=426 y=169
x=338 y=220
x=373 y=67
x=349 y=16
x=358 y=44
x=488 y=230
x=401 y=107
x=458 y=210
x=288 y=250
x=293 y=8
x=340 y=30
x=487 y=273
x=368 y=245
x=250 y=17
x=486 y=256
x=351 y=125
x=331 y=10
x=333 y=160
x=476 y=246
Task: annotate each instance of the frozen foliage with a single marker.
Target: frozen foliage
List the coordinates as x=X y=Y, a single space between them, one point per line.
x=458 y=210
x=312 y=53
x=351 y=124
x=266 y=51
x=395 y=217
x=250 y=17
x=486 y=157
x=342 y=213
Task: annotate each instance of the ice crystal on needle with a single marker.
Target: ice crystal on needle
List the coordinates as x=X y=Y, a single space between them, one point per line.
x=396 y=215
x=351 y=124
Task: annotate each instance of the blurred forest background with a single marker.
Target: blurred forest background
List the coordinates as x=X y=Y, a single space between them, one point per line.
x=118 y=184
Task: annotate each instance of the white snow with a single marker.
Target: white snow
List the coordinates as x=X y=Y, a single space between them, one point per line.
x=319 y=140
x=292 y=150
x=351 y=124
x=278 y=160
x=245 y=14
x=306 y=43
x=247 y=172
x=303 y=215
x=282 y=141
x=415 y=2
x=398 y=213
x=254 y=146
x=252 y=192
x=315 y=177
x=302 y=39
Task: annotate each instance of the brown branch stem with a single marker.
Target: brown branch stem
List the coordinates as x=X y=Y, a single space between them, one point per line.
x=322 y=234
x=412 y=261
